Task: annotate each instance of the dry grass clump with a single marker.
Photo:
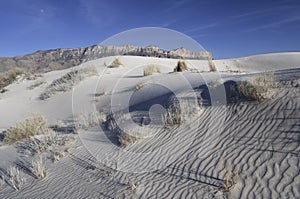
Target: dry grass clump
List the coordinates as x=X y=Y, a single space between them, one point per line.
x=35 y=125
x=38 y=168
x=43 y=143
x=181 y=111
x=140 y=86
x=9 y=77
x=116 y=63
x=68 y=81
x=57 y=154
x=211 y=64
x=230 y=179
x=124 y=138
x=260 y=88
x=150 y=70
x=14 y=178
x=181 y=66
x=173 y=116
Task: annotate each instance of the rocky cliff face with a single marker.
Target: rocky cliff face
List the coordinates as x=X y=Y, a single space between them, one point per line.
x=44 y=61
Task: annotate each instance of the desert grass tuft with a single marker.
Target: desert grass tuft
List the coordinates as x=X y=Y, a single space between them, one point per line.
x=230 y=178
x=9 y=77
x=14 y=178
x=35 y=125
x=259 y=88
x=151 y=69
x=140 y=86
x=38 y=168
x=116 y=63
x=211 y=64
x=181 y=66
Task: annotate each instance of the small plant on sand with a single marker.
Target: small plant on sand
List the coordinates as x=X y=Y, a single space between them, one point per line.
x=211 y=64
x=9 y=77
x=43 y=143
x=125 y=137
x=229 y=179
x=259 y=88
x=35 y=125
x=151 y=69
x=181 y=111
x=38 y=168
x=57 y=154
x=140 y=86
x=133 y=187
x=173 y=116
x=181 y=66
x=14 y=178
x=116 y=63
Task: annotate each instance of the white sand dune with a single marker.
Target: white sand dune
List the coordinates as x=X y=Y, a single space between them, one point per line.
x=256 y=141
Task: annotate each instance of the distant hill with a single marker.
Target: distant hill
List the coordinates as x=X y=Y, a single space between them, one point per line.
x=48 y=60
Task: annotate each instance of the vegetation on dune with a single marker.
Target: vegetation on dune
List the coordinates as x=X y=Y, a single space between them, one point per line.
x=68 y=81
x=259 y=88
x=9 y=77
x=151 y=69
x=116 y=63
x=35 y=125
x=181 y=66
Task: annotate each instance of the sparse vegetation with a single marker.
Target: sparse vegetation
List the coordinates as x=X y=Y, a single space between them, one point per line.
x=230 y=180
x=116 y=63
x=181 y=66
x=211 y=64
x=173 y=116
x=43 y=143
x=56 y=155
x=35 y=125
x=140 y=86
x=181 y=111
x=68 y=81
x=9 y=77
x=260 y=88
x=38 y=168
x=124 y=138
x=151 y=69
x=14 y=178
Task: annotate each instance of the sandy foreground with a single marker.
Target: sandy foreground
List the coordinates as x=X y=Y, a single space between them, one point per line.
x=221 y=144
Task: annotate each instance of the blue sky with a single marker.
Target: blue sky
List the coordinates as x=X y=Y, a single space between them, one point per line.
x=227 y=28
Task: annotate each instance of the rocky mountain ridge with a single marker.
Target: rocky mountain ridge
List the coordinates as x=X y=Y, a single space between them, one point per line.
x=48 y=60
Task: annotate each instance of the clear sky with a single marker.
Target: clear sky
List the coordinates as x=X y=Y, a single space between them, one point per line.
x=227 y=28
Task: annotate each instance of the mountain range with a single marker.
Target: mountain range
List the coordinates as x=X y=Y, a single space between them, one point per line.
x=56 y=59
